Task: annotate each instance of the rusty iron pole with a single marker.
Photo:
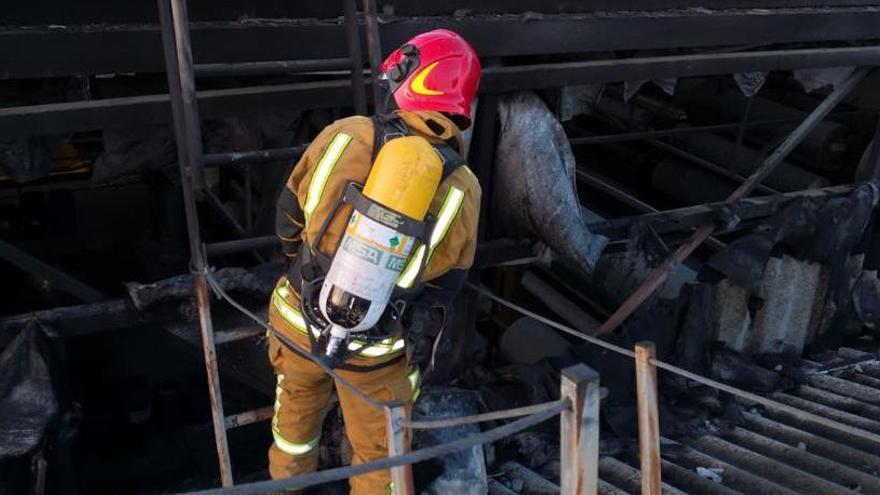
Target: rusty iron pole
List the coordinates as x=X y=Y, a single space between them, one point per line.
x=661 y=273
x=249 y=417
x=178 y=63
x=579 y=431
x=398 y=444
x=649 y=418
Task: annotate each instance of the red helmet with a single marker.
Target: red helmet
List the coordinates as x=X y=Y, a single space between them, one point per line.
x=437 y=70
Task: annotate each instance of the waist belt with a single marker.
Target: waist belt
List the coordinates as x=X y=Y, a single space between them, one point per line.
x=293 y=316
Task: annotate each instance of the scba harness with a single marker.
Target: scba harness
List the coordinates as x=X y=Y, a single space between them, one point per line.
x=312 y=266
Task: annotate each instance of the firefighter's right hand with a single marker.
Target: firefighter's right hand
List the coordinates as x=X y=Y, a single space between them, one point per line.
x=424 y=323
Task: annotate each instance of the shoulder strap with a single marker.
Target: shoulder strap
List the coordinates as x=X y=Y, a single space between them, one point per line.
x=451 y=159
x=385 y=128
x=390 y=126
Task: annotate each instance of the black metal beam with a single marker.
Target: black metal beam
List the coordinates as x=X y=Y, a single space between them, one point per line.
x=499 y=79
x=36 y=51
x=256 y=156
x=57 y=278
x=270 y=67
x=60 y=118
x=97 y=114
x=691 y=217
x=240 y=245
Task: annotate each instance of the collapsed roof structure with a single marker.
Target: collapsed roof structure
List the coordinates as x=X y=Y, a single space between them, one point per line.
x=722 y=148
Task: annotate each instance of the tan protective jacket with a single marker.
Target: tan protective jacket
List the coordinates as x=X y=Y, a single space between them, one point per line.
x=342 y=152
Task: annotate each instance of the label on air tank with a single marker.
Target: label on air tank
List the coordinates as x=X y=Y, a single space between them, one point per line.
x=369 y=259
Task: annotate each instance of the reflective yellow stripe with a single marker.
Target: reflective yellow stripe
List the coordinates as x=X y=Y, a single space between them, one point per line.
x=322 y=172
x=414 y=383
x=289 y=313
x=294 y=317
x=282 y=443
x=448 y=212
x=377 y=350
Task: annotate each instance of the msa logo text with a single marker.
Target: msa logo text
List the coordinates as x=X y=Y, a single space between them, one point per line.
x=361 y=250
x=384 y=216
x=395 y=263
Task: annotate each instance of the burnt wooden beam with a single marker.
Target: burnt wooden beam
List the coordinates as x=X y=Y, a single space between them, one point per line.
x=85 y=319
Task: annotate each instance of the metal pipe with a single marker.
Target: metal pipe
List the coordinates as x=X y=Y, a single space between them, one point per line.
x=661 y=273
x=240 y=245
x=374 y=47
x=178 y=60
x=270 y=67
x=559 y=304
x=256 y=156
x=355 y=58
x=188 y=114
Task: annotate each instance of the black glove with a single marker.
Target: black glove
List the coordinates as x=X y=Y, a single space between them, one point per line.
x=424 y=323
x=426 y=317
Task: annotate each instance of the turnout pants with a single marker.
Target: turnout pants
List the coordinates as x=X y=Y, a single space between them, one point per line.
x=303 y=399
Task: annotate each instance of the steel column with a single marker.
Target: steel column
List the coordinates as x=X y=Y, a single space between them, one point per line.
x=661 y=273
x=374 y=47
x=355 y=59
x=178 y=59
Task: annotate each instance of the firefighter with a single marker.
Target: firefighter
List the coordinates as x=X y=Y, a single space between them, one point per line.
x=433 y=79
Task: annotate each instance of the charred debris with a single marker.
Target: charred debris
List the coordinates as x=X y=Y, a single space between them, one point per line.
x=604 y=142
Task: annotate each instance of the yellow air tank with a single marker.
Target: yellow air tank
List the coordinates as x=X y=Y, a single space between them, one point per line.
x=405 y=176
x=371 y=255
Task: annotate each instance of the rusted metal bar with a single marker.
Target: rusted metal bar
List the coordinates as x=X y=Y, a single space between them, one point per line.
x=374 y=47
x=398 y=444
x=178 y=61
x=579 y=431
x=649 y=418
x=238 y=333
x=183 y=90
x=249 y=417
x=355 y=59
x=659 y=275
